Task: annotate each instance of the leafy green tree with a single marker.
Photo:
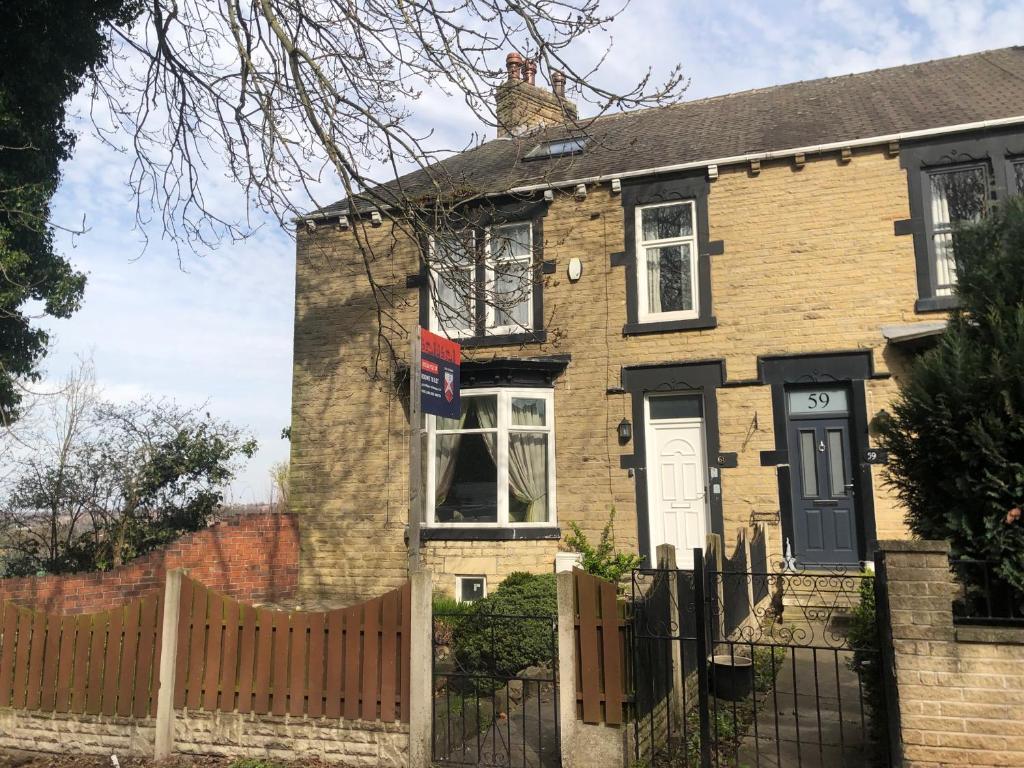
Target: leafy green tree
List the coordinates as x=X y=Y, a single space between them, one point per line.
x=47 y=48
x=956 y=433
x=101 y=483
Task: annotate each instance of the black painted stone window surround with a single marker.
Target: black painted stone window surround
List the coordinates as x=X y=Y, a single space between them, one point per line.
x=996 y=151
x=691 y=188
x=479 y=223
x=702 y=378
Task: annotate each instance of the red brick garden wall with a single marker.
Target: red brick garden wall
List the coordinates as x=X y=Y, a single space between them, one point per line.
x=252 y=557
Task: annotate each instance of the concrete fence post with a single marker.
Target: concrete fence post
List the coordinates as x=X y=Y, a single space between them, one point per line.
x=582 y=745
x=163 y=744
x=421 y=668
x=666 y=554
x=565 y=582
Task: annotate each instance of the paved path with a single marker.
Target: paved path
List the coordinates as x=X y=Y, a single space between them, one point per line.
x=813 y=718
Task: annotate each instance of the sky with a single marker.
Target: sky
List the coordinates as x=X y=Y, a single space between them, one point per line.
x=216 y=329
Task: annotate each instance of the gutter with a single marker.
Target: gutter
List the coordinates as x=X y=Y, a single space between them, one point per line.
x=776 y=154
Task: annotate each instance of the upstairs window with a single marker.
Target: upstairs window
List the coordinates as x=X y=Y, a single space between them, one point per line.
x=484 y=282
x=455 y=284
x=667 y=262
x=958 y=195
x=510 y=277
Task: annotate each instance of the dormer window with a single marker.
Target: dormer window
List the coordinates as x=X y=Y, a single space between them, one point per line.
x=557 y=148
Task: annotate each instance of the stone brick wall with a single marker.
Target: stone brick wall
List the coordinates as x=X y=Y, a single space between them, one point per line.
x=811 y=265
x=249 y=557
x=224 y=734
x=345 y=743
x=75 y=734
x=961 y=689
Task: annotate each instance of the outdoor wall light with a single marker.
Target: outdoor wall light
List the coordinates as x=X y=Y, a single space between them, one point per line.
x=625 y=431
x=549 y=195
x=581 y=192
x=575 y=269
x=343 y=223
x=616 y=186
x=375 y=220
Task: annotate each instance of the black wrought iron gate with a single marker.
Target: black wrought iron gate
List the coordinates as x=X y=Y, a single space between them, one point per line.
x=488 y=709
x=757 y=668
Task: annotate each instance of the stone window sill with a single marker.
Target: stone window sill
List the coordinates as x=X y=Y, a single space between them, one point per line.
x=668 y=326
x=489 y=533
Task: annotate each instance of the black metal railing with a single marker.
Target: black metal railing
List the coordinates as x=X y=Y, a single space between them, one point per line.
x=486 y=712
x=987 y=597
x=741 y=667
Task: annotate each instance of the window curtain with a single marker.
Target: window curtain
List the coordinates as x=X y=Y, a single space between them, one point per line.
x=527 y=458
x=654 y=280
x=447 y=449
x=528 y=465
x=945 y=262
x=487 y=415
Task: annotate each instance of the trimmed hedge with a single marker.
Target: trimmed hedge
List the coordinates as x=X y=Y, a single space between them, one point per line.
x=511 y=629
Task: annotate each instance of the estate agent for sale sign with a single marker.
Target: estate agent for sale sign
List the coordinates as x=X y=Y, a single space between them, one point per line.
x=439 y=375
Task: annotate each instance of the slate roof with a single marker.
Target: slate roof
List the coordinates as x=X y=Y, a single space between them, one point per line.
x=964 y=89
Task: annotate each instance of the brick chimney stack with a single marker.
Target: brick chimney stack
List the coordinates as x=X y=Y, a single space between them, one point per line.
x=522 y=105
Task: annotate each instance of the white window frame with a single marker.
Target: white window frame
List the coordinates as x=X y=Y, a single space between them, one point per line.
x=935 y=229
x=491 y=264
x=644 y=315
x=458 y=587
x=435 y=277
x=504 y=427
x=490 y=278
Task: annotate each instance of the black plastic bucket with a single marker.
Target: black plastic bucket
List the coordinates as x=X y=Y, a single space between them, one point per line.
x=732 y=676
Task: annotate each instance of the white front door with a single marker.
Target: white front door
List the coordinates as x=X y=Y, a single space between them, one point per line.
x=676 y=484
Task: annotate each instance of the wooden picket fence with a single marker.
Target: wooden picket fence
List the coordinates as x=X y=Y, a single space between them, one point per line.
x=99 y=663
x=601 y=647
x=350 y=662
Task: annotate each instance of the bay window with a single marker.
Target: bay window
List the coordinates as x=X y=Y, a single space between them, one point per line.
x=667 y=261
x=494 y=465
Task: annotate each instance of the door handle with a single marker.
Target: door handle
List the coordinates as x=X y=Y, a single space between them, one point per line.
x=849 y=487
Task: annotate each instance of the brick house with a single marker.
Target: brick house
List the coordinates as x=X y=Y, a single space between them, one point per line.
x=737 y=282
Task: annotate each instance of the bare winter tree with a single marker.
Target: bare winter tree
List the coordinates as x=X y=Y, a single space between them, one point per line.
x=301 y=95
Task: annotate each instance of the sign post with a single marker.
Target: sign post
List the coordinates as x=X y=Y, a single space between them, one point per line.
x=434 y=367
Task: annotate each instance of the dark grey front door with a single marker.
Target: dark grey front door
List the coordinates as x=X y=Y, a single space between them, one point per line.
x=824 y=504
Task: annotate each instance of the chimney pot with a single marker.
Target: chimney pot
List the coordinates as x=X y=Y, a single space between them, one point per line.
x=558 y=84
x=514 y=65
x=531 y=72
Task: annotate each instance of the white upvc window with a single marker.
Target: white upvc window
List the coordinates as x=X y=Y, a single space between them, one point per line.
x=495 y=464
x=666 y=252
x=507 y=276
x=453 y=267
x=510 y=278
x=957 y=195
